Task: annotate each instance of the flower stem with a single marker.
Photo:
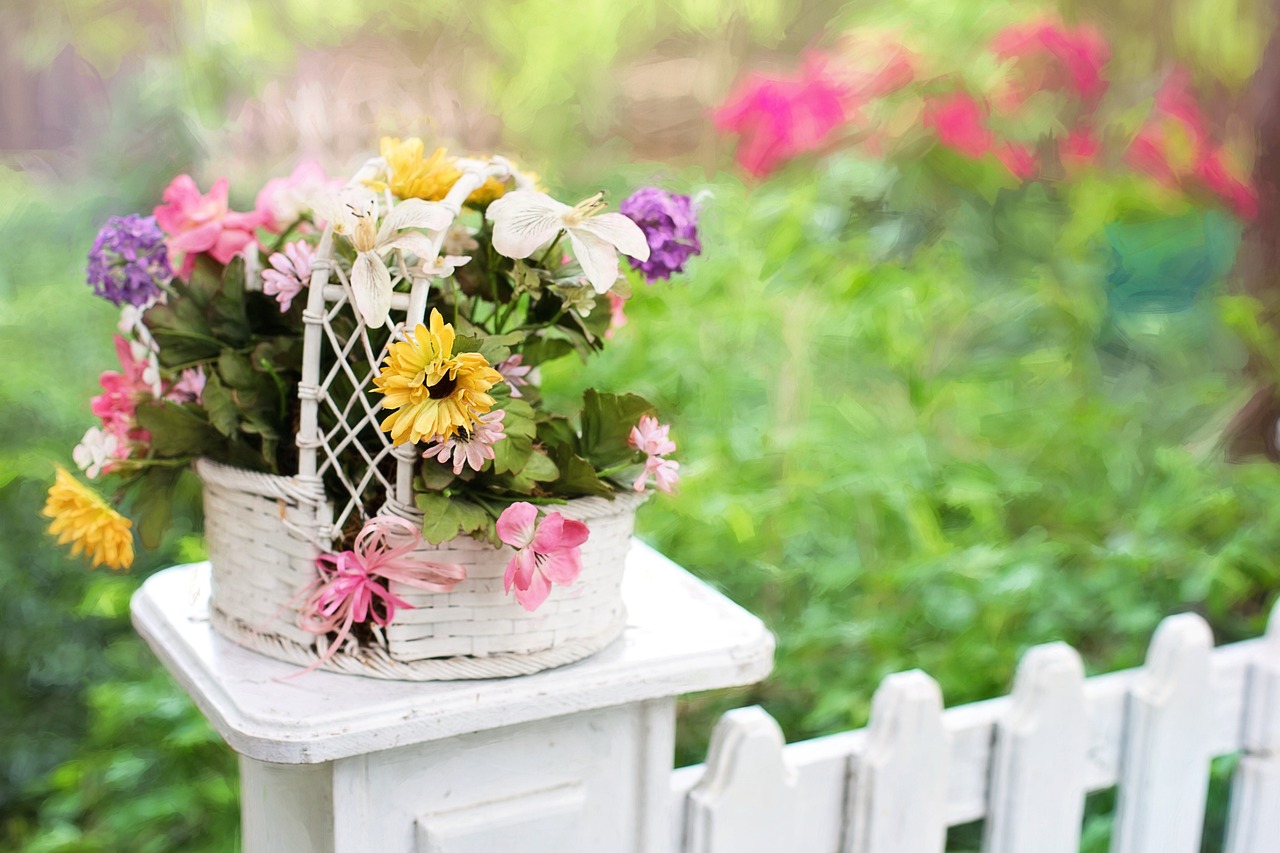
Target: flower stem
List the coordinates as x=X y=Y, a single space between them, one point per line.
x=542 y=262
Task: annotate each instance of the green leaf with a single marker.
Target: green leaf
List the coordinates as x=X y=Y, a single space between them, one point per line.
x=577 y=475
x=540 y=468
x=153 y=503
x=221 y=409
x=445 y=517
x=177 y=430
x=497 y=348
x=435 y=476
x=237 y=371
x=510 y=454
x=607 y=420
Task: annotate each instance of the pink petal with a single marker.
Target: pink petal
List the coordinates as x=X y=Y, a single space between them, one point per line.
x=557 y=532
x=229 y=244
x=202 y=238
x=531 y=599
x=563 y=566
x=516 y=524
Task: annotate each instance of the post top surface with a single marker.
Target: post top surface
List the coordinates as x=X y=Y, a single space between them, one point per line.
x=681 y=636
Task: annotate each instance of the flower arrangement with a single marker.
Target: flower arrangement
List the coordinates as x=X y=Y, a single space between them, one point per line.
x=213 y=346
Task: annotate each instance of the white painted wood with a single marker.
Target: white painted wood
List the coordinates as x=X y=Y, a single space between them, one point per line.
x=898 y=796
x=1038 y=769
x=1164 y=778
x=1254 y=825
x=681 y=637
x=821 y=764
x=285 y=808
x=746 y=802
x=546 y=821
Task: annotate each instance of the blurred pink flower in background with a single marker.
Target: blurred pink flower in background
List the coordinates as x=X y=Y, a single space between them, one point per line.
x=1050 y=56
x=778 y=119
x=198 y=223
x=282 y=201
x=960 y=122
x=1217 y=172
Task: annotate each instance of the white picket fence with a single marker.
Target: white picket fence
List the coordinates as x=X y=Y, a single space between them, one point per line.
x=1024 y=763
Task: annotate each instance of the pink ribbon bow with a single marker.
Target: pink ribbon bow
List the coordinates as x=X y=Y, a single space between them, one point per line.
x=351 y=581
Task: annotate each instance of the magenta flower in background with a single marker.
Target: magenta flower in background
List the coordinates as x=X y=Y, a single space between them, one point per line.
x=778 y=119
x=199 y=224
x=129 y=261
x=670 y=225
x=282 y=201
x=547 y=552
x=290 y=272
x=470 y=449
x=617 y=314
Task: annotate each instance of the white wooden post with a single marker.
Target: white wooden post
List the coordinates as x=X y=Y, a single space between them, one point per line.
x=1254 y=826
x=572 y=759
x=1164 y=773
x=1036 y=802
x=898 y=799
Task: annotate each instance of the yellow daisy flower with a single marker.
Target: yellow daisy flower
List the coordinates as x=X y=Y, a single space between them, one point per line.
x=434 y=393
x=410 y=174
x=84 y=520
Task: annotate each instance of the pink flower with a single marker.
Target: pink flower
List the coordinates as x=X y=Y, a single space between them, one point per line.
x=778 y=119
x=190 y=386
x=473 y=449
x=1215 y=173
x=199 y=223
x=546 y=552
x=1079 y=148
x=1175 y=139
x=1018 y=159
x=867 y=64
x=291 y=272
x=1052 y=57
x=282 y=201
x=960 y=122
x=117 y=405
x=515 y=372
x=617 y=314
x=350 y=583
x=653 y=439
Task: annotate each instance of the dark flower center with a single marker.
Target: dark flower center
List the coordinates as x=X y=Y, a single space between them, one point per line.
x=442 y=389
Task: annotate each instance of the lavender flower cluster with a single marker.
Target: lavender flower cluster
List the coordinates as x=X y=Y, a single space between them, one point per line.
x=129 y=260
x=670 y=224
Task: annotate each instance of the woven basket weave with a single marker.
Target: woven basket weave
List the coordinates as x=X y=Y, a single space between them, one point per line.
x=264 y=531
x=256 y=526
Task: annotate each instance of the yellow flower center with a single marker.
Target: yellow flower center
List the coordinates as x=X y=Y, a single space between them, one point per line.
x=366 y=236
x=585 y=209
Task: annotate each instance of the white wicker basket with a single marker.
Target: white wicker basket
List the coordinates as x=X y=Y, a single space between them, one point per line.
x=264 y=531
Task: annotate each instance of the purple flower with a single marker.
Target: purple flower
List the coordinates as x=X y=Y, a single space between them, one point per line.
x=292 y=271
x=670 y=224
x=129 y=262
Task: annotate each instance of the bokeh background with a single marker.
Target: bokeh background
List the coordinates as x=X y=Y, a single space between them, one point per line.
x=978 y=353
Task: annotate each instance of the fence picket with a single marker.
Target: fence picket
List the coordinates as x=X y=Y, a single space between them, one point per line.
x=1036 y=800
x=746 y=802
x=1254 y=826
x=1164 y=774
x=898 y=799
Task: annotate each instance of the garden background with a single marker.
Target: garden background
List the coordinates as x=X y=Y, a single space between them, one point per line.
x=933 y=405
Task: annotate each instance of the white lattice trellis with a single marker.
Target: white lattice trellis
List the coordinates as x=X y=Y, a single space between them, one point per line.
x=341 y=452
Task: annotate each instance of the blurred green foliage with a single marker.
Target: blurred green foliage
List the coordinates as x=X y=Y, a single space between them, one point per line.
x=900 y=451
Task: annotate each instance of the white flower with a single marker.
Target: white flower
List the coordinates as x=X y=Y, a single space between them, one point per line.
x=523 y=220
x=441 y=267
x=354 y=215
x=94 y=452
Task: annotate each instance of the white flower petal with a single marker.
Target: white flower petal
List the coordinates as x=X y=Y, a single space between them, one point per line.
x=415 y=213
x=414 y=242
x=523 y=220
x=598 y=258
x=340 y=208
x=621 y=232
x=371 y=287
